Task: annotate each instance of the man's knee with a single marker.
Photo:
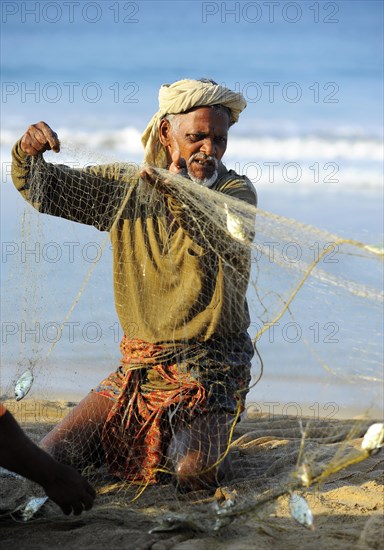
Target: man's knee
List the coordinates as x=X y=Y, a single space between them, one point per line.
x=196 y=471
x=198 y=452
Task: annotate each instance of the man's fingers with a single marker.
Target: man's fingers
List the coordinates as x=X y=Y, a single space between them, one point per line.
x=77 y=508
x=66 y=509
x=32 y=146
x=89 y=497
x=56 y=145
x=49 y=136
x=39 y=138
x=147 y=173
x=178 y=163
x=91 y=491
x=87 y=502
x=28 y=148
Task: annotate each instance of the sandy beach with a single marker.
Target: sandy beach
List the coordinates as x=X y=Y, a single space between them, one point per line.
x=310 y=141
x=347 y=505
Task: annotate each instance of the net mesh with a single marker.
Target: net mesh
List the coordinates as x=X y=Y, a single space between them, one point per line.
x=184 y=259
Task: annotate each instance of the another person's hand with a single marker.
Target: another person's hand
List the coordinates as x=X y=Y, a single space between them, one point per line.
x=63 y=484
x=39 y=138
x=70 y=490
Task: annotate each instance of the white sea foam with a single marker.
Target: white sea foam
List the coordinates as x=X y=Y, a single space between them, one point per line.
x=310 y=147
x=340 y=160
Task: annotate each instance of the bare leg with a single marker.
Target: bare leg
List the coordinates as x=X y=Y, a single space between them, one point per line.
x=196 y=451
x=76 y=440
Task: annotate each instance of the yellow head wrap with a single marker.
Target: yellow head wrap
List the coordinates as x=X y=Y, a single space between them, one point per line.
x=180 y=97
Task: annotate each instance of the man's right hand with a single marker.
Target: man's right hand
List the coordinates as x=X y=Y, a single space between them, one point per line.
x=39 y=138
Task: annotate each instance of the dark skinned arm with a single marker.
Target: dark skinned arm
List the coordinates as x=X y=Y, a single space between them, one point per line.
x=62 y=484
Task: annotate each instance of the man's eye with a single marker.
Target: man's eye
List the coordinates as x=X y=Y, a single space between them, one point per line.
x=195 y=137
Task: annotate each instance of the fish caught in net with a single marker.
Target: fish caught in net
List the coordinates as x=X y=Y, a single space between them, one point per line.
x=201 y=281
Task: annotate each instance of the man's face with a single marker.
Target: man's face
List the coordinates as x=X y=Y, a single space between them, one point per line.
x=200 y=137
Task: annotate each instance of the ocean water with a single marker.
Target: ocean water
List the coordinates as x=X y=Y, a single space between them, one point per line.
x=310 y=140
x=311 y=72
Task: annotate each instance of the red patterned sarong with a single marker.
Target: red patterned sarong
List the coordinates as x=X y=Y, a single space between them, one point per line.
x=158 y=387
x=136 y=433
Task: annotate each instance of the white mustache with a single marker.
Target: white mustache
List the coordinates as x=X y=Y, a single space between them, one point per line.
x=201 y=157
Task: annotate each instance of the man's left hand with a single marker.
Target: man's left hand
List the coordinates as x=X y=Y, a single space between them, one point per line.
x=178 y=165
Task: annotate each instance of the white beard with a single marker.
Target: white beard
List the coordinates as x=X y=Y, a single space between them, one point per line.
x=207 y=182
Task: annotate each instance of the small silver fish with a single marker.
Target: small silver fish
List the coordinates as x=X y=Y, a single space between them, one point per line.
x=300 y=511
x=7 y=473
x=373 y=438
x=224 y=516
x=33 y=506
x=235 y=226
x=222 y=521
x=23 y=385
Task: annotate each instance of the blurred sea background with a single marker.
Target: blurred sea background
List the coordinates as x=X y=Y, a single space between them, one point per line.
x=310 y=139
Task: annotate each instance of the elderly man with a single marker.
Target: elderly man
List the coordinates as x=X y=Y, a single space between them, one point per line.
x=185 y=369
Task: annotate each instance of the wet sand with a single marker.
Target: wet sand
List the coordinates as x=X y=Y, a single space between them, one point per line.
x=347 y=505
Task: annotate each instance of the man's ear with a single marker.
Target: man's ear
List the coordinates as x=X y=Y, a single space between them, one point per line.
x=164 y=132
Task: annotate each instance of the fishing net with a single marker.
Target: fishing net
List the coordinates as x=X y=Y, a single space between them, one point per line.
x=184 y=257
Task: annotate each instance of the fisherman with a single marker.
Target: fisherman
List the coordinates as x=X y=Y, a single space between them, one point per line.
x=62 y=484
x=185 y=367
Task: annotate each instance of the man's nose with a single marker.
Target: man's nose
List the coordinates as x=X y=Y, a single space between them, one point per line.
x=208 y=147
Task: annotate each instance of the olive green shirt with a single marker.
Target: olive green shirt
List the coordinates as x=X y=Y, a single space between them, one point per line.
x=171 y=285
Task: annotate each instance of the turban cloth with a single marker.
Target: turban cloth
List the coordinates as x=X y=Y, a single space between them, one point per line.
x=180 y=97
